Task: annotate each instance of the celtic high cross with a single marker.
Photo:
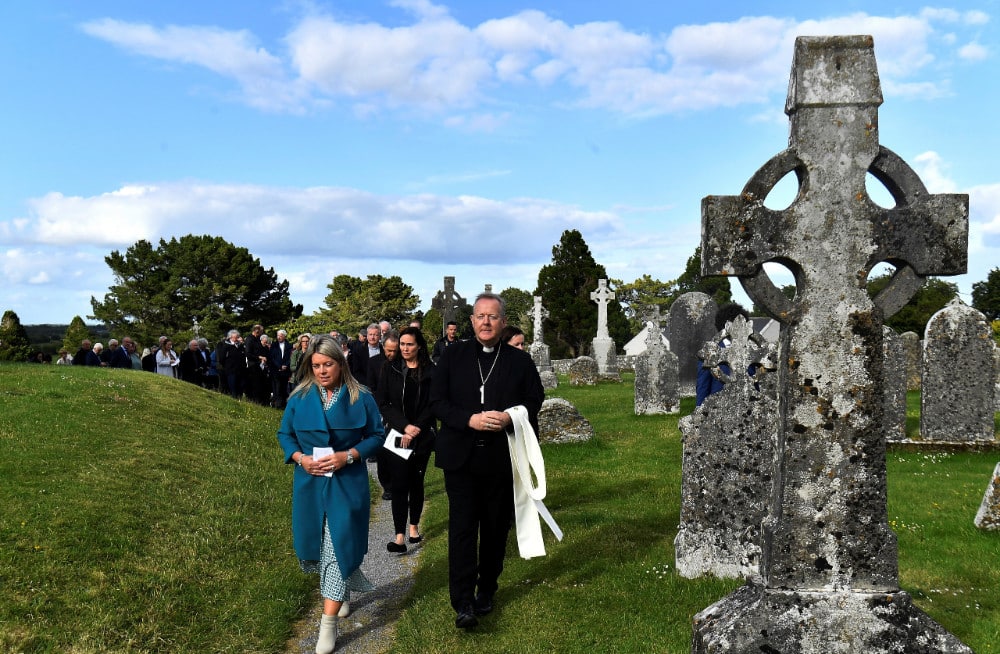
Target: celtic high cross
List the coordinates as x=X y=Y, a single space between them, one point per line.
x=827 y=532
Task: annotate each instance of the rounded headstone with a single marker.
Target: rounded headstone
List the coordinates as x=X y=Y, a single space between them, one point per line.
x=583 y=372
x=560 y=422
x=691 y=323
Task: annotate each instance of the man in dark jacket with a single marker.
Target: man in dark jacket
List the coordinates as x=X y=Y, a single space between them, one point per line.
x=474 y=384
x=450 y=338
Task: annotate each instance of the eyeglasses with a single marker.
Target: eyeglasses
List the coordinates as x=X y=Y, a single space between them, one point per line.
x=483 y=317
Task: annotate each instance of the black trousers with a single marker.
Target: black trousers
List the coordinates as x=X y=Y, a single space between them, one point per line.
x=480 y=503
x=406 y=481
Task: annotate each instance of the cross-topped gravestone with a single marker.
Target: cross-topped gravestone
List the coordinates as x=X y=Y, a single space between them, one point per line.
x=447 y=302
x=728 y=458
x=602 y=296
x=605 y=351
x=829 y=564
x=656 y=390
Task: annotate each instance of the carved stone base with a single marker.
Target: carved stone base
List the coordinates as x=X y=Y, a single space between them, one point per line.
x=605 y=355
x=755 y=619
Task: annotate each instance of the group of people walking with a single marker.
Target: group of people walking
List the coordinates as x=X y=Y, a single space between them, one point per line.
x=333 y=422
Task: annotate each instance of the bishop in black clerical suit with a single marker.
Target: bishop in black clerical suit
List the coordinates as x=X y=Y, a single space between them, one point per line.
x=474 y=383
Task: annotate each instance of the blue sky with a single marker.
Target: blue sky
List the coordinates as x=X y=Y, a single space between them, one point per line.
x=422 y=140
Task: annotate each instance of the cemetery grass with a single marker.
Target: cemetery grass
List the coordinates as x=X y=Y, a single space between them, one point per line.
x=141 y=514
x=611 y=586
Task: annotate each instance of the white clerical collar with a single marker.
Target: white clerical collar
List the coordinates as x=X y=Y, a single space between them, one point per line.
x=487 y=349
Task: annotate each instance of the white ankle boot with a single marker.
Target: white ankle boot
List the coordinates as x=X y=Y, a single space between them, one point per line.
x=327 y=634
x=345 y=609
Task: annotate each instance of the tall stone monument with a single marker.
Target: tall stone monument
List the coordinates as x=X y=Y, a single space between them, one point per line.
x=956 y=398
x=447 y=302
x=829 y=570
x=605 y=352
x=691 y=323
x=539 y=350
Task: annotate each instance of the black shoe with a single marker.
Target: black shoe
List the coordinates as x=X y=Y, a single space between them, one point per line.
x=417 y=538
x=483 y=604
x=396 y=548
x=387 y=495
x=466 y=618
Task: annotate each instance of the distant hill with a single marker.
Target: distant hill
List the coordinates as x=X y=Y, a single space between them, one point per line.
x=49 y=338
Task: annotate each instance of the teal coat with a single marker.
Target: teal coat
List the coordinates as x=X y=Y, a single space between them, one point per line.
x=344 y=498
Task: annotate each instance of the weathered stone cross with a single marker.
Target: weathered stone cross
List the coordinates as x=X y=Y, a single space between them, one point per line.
x=827 y=530
x=446 y=302
x=602 y=296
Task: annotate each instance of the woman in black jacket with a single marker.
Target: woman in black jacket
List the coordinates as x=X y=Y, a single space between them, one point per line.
x=403 y=395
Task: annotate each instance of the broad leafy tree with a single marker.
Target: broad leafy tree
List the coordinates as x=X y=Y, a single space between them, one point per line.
x=691 y=280
x=986 y=295
x=14 y=344
x=636 y=298
x=353 y=303
x=931 y=298
x=565 y=286
x=163 y=289
x=75 y=334
x=519 y=304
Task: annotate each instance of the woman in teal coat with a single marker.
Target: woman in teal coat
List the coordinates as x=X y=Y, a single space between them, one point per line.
x=330 y=496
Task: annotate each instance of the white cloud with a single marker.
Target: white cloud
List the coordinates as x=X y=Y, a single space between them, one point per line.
x=341 y=222
x=973 y=52
x=437 y=64
x=233 y=54
x=984 y=207
x=932 y=170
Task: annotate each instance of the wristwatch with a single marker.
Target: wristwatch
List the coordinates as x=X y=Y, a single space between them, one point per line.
x=350 y=457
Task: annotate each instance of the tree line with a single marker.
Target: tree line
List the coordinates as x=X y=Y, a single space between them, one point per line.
x=164 y=289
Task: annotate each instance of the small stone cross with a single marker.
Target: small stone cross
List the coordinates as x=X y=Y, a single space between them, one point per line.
x=602 y=296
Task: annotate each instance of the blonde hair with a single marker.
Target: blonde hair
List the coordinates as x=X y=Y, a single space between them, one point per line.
x=327 y=346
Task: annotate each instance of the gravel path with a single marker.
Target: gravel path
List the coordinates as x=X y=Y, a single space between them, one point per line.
x=370 y=628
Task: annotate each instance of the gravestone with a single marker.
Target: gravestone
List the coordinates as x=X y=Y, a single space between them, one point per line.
x=539 y=350
x=549 y=379
x=605 y=352
x=988 y=516
x=583 y=371
x=560 y=422
x=911 y=353
x=829 y=568
x=447 y=303
x=728 y=459
x=656 y=391
x=894 y=362
x=957 y=389
x=691 y=323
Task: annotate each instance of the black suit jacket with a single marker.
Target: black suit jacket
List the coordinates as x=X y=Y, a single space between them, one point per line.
x=359 y=363
x=455 y=396
x=276 y=360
